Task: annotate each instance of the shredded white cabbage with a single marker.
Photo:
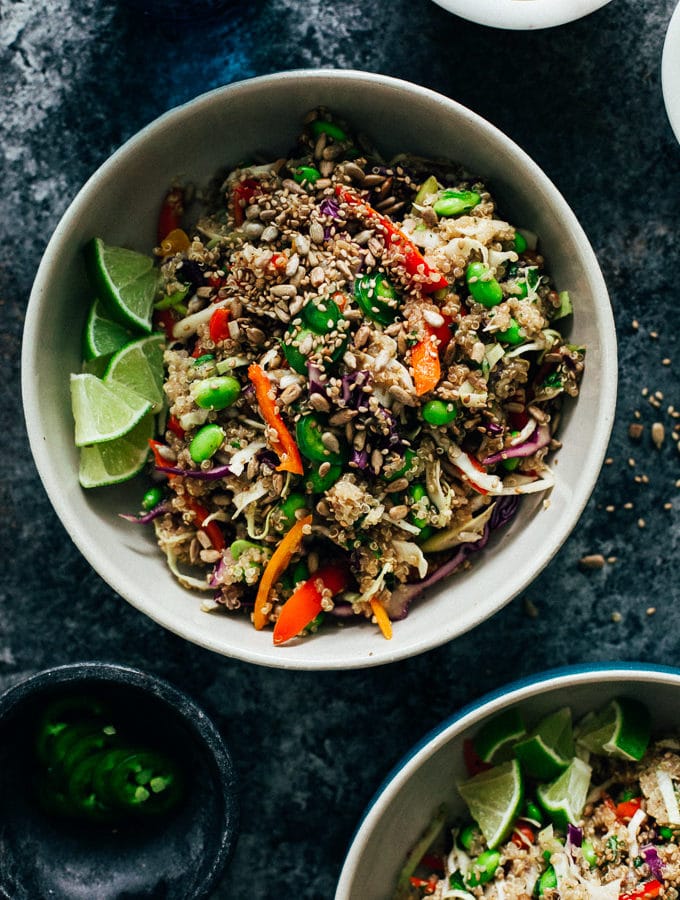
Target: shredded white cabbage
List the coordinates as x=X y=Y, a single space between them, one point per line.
x=668 y=795
x=242 y=457
x=190 y=324
x=410 y=553
x=243 y=499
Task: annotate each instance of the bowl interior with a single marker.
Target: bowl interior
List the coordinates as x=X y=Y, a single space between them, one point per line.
x=406 y=803
x=120 y=203
x=177 y=855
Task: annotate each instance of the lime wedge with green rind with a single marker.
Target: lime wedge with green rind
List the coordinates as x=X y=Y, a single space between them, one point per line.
x=104 y=411
x=564 y=798
x=622 y=728
x=494 y=798
x=117 y=460
x=102 y=336
x=139 y=366
x=549 y=748
x=498 y=734
x=125 y=281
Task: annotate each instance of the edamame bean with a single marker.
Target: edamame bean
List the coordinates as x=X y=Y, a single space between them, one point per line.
x=468 y=836
x=240 y=546
x=152 y=498
x=589 y=853
x=319 y=126
x=455 y=203
x=306 y=173
x=512 y=334
x=483 y=868
x=482 y=285
x=206 y=442
x=520 y=243
x=216 y=393
x=436 y=412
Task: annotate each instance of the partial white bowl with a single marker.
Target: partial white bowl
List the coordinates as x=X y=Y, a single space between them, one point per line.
x=404 y=805
x=120 y=204
x=670 y=72
x=521 y=14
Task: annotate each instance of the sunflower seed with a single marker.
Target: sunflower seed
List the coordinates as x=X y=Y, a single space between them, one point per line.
x=330 y=442
x=283 y=290
x=316 y=232
x=270 y=233
x=319 y=403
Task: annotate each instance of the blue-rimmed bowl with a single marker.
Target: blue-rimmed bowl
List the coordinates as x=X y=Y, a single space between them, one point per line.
x=405 y=803
x=178 y=856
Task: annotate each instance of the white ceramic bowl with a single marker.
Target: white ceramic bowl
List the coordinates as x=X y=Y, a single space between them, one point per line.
x=120 y=203
x=426 y=777
x=521 y=14
x=670 y=72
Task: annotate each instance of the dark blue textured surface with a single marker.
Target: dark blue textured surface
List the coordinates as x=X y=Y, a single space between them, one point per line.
x=78 y=77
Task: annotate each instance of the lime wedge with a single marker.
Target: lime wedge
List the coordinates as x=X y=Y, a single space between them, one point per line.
x=621 y=729
x=494 y=799
x=497 y=734
x=125 y=281
x=117 y=460
x=139 y=366
x=549 y=748
x=104 y=411
x=564 y=798
x=102 y=336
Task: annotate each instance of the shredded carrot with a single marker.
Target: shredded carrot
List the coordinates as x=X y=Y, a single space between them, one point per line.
x=276 y=566
x=284 y=445
x=382 y=618
x=425 y=363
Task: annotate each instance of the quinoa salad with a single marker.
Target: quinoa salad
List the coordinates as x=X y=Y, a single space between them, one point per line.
x=364 y=371
x=619 y=842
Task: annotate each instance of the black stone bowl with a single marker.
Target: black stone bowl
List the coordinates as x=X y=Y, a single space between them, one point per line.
x=175 y=856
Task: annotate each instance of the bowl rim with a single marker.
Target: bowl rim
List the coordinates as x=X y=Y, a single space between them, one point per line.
x=197 y=721
x=528 y=15
x=194 y=631
x=670 y=71
x=473 y=712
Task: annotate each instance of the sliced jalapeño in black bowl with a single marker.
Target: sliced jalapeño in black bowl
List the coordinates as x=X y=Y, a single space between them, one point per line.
x=89 y=766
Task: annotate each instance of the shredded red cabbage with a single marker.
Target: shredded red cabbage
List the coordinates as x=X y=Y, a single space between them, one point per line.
x=201 y=474
x=653 y=861
x=329 y=207
x=358 y=459
x=574 y=835
x=149 y=516
x=540 y=437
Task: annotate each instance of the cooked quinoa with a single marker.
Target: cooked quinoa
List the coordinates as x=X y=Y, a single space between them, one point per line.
x=627 y=849
x=419 y=413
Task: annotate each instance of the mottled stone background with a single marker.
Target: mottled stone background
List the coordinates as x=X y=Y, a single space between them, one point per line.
x=78 y=77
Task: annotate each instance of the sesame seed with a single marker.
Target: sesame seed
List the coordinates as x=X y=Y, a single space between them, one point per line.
x=641 y=523
x=650 y=610
x=616 y=616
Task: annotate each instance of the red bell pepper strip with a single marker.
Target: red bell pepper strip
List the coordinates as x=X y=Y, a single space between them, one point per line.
x=243 y=194
x=305 y=603
x=414 y=261
x=628 y=808
x=425 y=363
x=174 y=426
x=219 y=325
x=646 y=892
x=172 y=210
x=276 y=566
x=212 y=529
x=284 y=445
x=159 y=459
x=165 y=319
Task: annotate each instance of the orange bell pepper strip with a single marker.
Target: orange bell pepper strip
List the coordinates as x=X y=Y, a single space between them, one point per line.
x=305 y=603
x=382 y=618
x=276 y=566
x=176 y=241
x=425 y=362
x=414 y=261
x=212 y=529
x=284 y=445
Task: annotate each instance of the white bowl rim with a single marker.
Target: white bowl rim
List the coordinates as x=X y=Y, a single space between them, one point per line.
x=670 y=72
x=486 y=705
x=522 y=14
x=269 y=655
